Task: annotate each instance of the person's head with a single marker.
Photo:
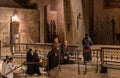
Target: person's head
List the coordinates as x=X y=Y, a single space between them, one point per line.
x=30 y=50
x=65 y=42
x=56 y=40
x=86 y=35
x=4 y=60
x=36 y=51
x=7 y=57
x=10 y=59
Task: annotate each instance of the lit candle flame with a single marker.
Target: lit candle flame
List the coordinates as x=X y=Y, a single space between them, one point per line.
x=14 y=18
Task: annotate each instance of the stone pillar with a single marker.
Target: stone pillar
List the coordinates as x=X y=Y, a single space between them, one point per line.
x=42 y=24
x=88 y=8
x=75 y=27
x=91 y=18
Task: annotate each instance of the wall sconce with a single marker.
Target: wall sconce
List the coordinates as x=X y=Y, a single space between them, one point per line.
x=15 y=17
x=14 y=27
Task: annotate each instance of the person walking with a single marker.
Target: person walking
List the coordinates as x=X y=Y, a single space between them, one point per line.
x=36 y=60
x=5 y=61
x=29 y=58
x=9 y=68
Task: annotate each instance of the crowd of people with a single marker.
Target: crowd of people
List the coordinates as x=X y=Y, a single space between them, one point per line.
x=59 y=54
x=32 y=63
x=7 y=67
x=32 y=59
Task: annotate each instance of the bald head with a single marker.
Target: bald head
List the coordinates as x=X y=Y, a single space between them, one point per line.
x=65 y=42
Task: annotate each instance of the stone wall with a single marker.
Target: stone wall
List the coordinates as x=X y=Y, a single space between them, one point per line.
x=74 y=35
x=103 y=12
x=100 y=10
x=28 y=24
x=41 y=5
x=57 y=5
x=79 y=30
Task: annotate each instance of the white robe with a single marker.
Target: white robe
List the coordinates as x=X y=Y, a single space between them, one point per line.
x=9 y=67
x=3 y=67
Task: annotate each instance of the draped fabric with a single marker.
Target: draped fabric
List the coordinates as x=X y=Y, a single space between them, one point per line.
x=54 y=56
x=36 y=66
x=30 y=67
x=9 y=67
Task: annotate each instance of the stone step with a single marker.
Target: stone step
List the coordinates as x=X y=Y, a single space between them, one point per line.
x=23 y=75
x=112 y=66
x=71 y=71
x=51 y=74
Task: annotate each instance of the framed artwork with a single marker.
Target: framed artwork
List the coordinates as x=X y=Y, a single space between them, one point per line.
x=112 y=3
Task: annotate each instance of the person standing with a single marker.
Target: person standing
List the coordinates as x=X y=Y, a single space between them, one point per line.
x=87 y=43
x=56 y=52
x=29 y=58
x=5 y=61
x=9 y=68
x=64 y=52
x=36 y=60
x=50 y=60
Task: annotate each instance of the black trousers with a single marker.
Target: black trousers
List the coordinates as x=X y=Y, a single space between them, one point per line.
x=87 y=56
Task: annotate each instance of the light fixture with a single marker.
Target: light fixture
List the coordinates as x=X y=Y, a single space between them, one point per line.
x=15 y=17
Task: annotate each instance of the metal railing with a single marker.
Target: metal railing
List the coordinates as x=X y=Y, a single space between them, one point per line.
x=78 y=57
x=23 y=47
x=110 y=57
x=105 y=55
x=44 y=48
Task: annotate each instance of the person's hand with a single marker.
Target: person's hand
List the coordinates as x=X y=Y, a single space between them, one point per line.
x=67 y=52
x=15 y=67
x=55 y=54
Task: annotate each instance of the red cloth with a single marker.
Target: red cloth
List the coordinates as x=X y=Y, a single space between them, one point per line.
x=86 y=50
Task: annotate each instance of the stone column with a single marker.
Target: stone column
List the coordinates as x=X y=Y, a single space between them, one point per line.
x=42 y=24
x=88 y=6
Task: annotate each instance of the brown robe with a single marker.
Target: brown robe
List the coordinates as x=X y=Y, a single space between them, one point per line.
x=56 y=54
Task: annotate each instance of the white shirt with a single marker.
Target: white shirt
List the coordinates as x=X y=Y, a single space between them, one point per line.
x=9 y=67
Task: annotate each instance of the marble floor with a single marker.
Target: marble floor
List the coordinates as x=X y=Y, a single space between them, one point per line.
x=71 y=71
